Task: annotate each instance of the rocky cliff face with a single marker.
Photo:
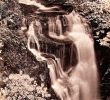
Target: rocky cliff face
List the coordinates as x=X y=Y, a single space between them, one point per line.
x=15 y=59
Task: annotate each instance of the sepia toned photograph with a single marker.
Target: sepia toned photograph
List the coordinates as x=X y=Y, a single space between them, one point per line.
x=54 y=49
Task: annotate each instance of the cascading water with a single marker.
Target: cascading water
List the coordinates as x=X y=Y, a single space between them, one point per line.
x=80 y=82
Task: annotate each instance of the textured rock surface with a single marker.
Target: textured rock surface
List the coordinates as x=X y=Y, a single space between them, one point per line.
x=15 y=57
x=98 y=14
x=103 y=56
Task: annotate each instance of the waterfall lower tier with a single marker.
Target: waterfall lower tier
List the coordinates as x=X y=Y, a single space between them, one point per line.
x=66 y=51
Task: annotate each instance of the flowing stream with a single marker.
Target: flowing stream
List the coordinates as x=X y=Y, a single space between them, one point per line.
x=80 y=82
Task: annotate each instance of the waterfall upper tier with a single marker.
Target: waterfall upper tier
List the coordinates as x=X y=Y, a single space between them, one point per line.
x=49 y=10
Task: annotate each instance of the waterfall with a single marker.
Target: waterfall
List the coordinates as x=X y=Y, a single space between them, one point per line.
x=59 y=26
x=85 y=72
x=82 y=81
x=55 y=28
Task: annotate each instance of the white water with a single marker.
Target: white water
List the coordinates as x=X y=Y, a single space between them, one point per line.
x=82 y=81
x=55 y=28
x=34 y=3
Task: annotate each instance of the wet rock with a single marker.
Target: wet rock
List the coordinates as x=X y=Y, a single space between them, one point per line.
x=103 y=56
x=65 y=50
x=34 y=9
x=2 y=84
x=48 y=2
